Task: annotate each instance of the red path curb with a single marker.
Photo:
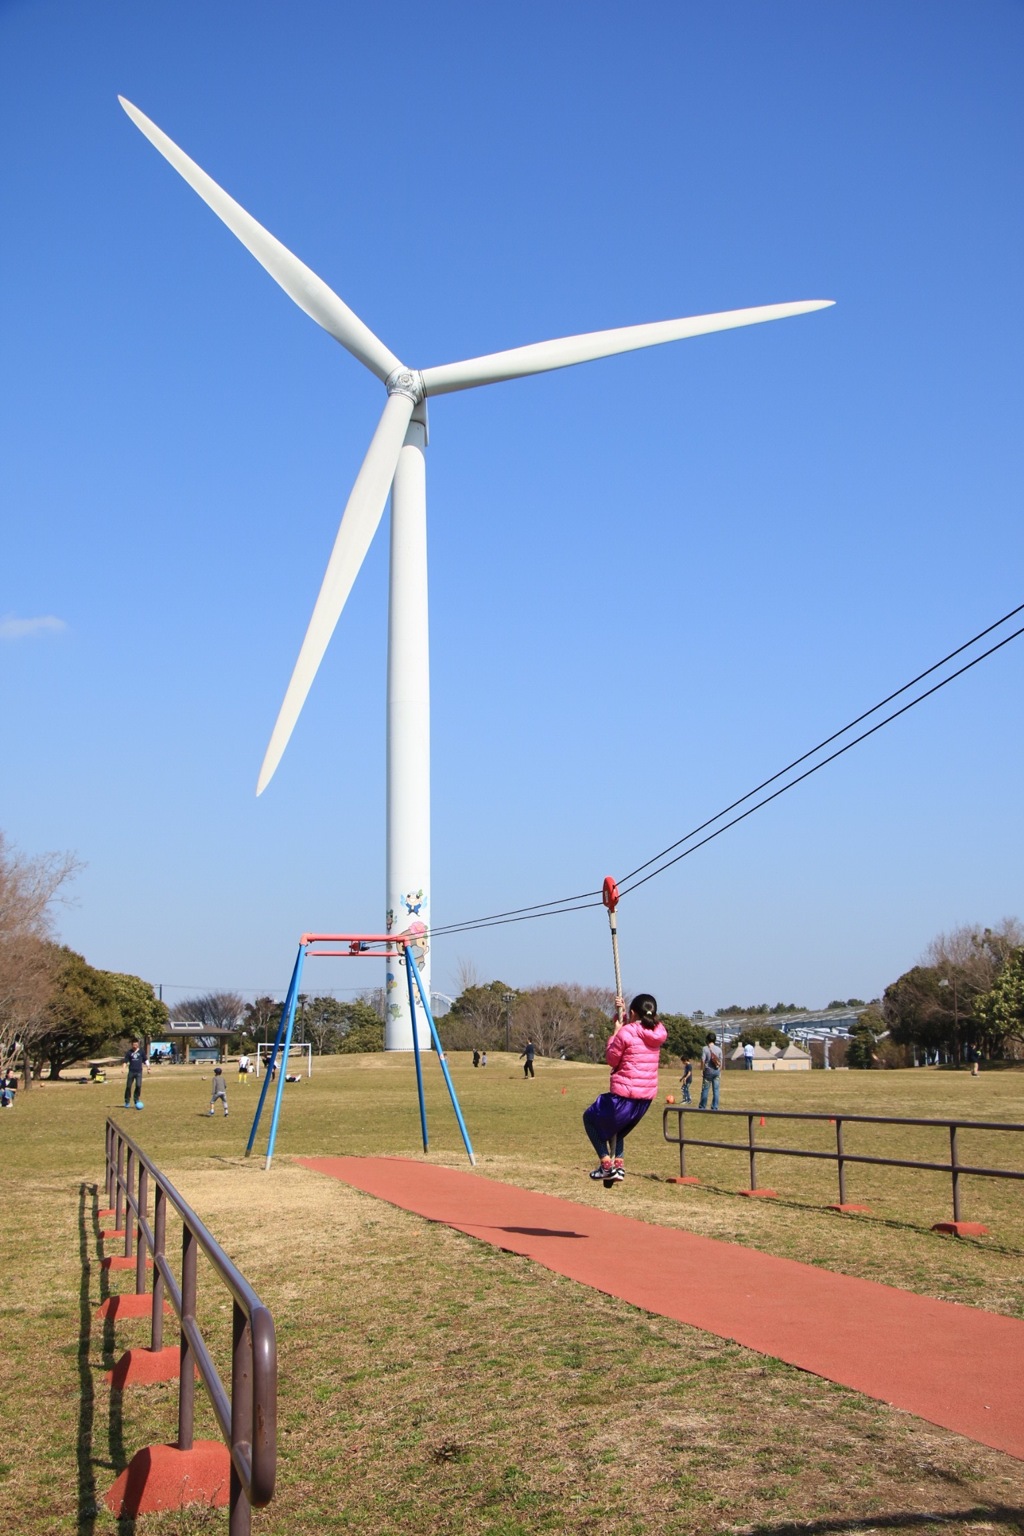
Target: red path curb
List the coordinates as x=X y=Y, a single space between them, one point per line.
x=953 y=1365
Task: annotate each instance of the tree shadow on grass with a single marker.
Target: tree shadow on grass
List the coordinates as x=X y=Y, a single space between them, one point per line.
x=1000 y=1516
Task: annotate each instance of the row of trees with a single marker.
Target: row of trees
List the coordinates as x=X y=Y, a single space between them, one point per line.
x=964 y=999
x=328 y=1025
x=563 y=1020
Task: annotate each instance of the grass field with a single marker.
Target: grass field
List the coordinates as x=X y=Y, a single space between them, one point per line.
x=431 y=1385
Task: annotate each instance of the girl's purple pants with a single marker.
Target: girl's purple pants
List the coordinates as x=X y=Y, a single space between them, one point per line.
x=609 y=1121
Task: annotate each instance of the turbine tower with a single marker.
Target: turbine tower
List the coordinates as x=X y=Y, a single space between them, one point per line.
x=395 y=463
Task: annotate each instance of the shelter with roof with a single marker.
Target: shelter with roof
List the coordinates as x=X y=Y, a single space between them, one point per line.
x=199 y=1042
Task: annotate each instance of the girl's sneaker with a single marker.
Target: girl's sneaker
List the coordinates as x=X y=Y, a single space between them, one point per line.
x=604 y=1171
x=618 y=1171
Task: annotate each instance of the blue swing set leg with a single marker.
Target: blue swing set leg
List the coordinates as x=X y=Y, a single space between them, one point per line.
x=284 y=1032
x=412 y=971
x=410 y=966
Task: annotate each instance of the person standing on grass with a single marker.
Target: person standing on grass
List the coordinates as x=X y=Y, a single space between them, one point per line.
x=748 y=1056
x=220 y=1090
x=243 y=1068
x=134 y=1060
x=633 y=1052
x=686 y=1080
x=529 y=1053
x=710 y=1071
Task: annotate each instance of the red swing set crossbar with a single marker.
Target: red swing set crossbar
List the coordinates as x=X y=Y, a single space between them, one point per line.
x=359 y=945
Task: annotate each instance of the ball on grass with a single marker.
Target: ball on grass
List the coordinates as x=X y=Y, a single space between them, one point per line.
x=670 y=1098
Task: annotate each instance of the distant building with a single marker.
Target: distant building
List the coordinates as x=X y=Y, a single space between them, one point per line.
x=773 y=1058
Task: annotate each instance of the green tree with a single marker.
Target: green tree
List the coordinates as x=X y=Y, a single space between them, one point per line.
x=81 y=1014
x=143 y=1015
x=365 y=1036
x=734 y=1011
x=1000 y=1011
x=324 y=1021
x=359 y=1015
x=477 y=1017
x=685 y=1038
x=765 y=1035
x=920 y=1011
x=861 y=1049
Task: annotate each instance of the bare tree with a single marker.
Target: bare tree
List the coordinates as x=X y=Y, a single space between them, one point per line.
x=28 y=889
x=466 y=974
x=561 y=1018
x=217 y=1010
x=262 y=1017
x=975 y=955
x=374 y=998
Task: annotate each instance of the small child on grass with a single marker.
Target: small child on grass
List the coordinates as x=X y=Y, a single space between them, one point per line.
x=220 y=1090
x=633 y=1053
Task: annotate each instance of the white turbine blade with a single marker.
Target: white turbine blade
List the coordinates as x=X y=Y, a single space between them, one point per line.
x=359 y=522
x=310 y=292
x=545 y=356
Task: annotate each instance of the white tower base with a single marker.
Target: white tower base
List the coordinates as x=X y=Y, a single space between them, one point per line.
x=408 y=712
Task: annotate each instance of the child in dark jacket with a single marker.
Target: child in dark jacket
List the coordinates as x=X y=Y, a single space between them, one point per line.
x=633 y=1053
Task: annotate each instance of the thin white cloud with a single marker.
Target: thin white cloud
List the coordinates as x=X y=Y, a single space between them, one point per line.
x=12 y=628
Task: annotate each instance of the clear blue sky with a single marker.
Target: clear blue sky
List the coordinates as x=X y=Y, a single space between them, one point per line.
x=653 y=579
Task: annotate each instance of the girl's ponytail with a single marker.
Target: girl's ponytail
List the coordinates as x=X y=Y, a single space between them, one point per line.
x=646 y=1009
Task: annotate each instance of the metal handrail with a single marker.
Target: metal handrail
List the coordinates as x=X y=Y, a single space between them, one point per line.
x=753 y=1148
x=247 y=1418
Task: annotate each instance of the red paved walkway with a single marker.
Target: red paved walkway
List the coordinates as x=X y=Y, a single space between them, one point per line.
x=953 y=1365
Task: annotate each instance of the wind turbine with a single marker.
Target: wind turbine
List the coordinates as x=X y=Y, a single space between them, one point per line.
x=394 y=462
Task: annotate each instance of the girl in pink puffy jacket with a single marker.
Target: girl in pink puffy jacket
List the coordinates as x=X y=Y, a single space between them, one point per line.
x=633 y=1052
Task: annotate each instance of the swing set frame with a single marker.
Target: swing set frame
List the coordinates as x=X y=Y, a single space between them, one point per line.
x=388 y=946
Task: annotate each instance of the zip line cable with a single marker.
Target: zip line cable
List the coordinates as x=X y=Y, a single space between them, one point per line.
x=829 y=739
x=580 y=902
x=824 y=763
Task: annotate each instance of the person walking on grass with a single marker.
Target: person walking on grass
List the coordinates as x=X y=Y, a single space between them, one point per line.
x=633 y=1052
x=530 y=1052
x=134 y=1060
x=710 y=1071
x=686 y=1080
x=220 y=1090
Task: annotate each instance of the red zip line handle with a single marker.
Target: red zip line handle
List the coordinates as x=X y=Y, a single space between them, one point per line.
x=610 y=897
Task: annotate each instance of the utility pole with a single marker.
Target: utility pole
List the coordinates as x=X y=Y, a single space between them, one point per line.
x=508 y=998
